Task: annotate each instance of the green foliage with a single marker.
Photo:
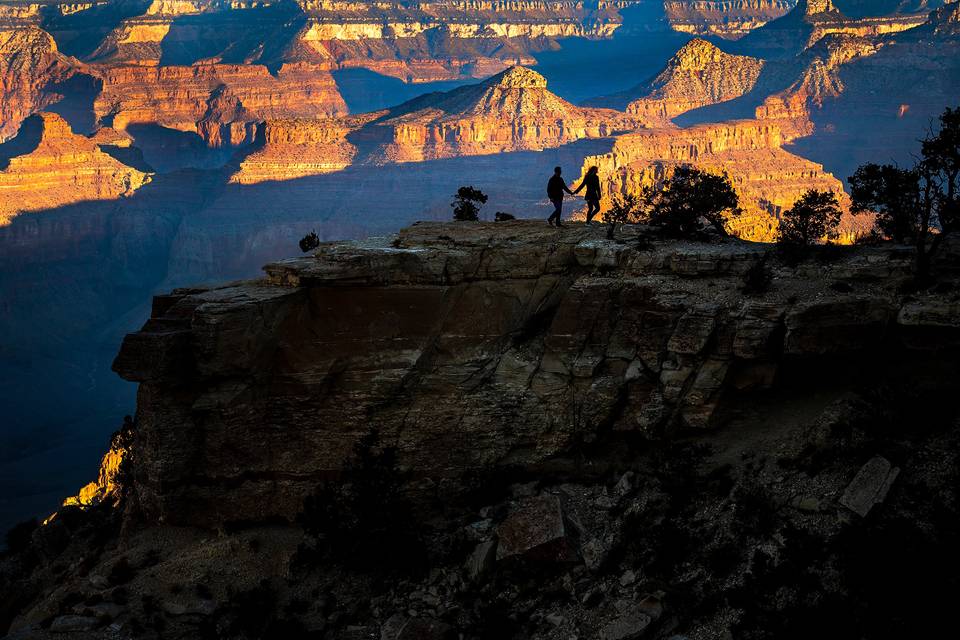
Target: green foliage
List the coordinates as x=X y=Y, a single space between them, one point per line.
x=364 y=520
x=910 y=204
x=466 y=204
x=813 y=216
x=891 y=193
x=689 y=199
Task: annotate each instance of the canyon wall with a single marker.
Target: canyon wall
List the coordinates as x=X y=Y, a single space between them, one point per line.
x=474 y=347
x=60 y=168
x=221 y=103
x=767 y=178
x=725 y=18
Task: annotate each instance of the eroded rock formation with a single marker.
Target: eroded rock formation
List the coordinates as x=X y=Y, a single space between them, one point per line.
x=47 y=165
x=700 y=74
x=725 y=18
x=221 y=103
x=474 y=346
x=30 y=65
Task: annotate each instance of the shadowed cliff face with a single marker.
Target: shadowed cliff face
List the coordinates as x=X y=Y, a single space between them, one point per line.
x=478 y=346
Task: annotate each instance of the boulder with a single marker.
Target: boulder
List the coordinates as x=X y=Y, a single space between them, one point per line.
x=870 y=486
x=537 y=530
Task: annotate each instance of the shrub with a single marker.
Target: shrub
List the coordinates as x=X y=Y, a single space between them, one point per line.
x=688 y=199
x=624 y=209
x=466 y=204
x=309 y=242
x=913 y=204
x=813 y=216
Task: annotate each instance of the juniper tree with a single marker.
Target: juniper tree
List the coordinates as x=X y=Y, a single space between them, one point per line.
x=688 y=199
x=814 y=215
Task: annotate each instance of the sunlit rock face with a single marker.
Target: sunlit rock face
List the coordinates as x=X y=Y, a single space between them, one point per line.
x=415 y=41
x=811 y=20
x=725 y=18
x=512 y=111
x=474 y=347
x=221 y=103
x=767 y=178
x=29 y=65
x=699 y=74
x=47 y=165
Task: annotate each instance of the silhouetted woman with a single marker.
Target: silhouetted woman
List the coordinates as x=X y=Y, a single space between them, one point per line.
x=592 y=182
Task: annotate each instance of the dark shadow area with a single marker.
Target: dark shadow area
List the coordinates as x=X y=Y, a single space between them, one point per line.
x=580 y=69
x=776 y=76
x=241 y=36
x=26 y=140
x=364 y=90
x=169 y=150
x=76 y=105
x=130 y=156
x=79 y=34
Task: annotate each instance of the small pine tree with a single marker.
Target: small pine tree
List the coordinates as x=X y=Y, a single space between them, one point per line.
x=466 y=204
x=688 y=199
x=814 y=215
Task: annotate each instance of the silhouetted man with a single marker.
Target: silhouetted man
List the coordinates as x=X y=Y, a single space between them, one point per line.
x=555 y=189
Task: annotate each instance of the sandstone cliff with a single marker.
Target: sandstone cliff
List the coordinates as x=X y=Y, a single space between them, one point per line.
x=29 y=64
x=767 y=178
x=511 y=111
x=811 y=20
x=47 y=165
x=473 y=347
x=221 y=103
x=725 y=18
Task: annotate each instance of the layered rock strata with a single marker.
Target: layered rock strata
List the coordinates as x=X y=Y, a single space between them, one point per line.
x=49 y=166
x=767 y=178
x=221 y=103
x=699 y=74
x=724 y=18
x=29 y=65
x=474 y=347
x=512 y=111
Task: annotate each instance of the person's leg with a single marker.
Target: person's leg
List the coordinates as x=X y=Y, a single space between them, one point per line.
x=592 y=210
x=557 y=209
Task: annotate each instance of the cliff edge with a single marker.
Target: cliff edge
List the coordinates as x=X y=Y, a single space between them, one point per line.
x=485 y=346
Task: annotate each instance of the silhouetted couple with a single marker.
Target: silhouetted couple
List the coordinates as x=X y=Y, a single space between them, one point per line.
x=556 y=187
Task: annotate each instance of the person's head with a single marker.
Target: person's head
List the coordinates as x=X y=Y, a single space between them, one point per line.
x=556 y=171
x=592 y=171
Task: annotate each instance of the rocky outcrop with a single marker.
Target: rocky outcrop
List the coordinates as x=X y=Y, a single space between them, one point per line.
x=420 y=42
x=47 y=166
x=473 y=347
x=811 y=20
